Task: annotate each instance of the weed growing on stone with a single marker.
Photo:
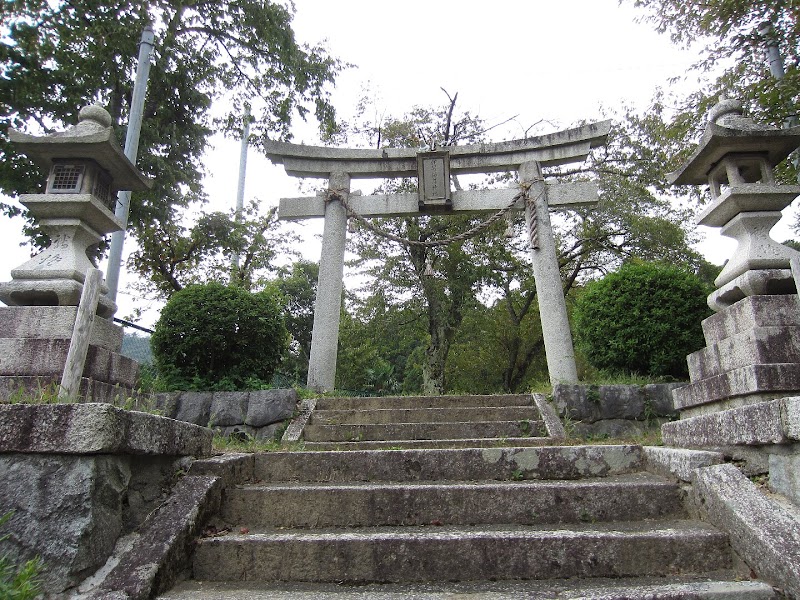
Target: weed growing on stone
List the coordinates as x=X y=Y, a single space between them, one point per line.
x=20 y=582
x=47 y=394
x=228 y=445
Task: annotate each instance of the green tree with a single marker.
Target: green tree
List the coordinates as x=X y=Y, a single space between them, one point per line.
x=635 y=218
x=204 y=251
x=644 y=319
x=735 y=36
x=219 y=337
x=57 y=56
x=297 y=287
x=444 y=280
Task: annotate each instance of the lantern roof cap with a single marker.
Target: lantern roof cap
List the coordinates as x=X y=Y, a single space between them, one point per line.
x=728 y=131
x=92 y=138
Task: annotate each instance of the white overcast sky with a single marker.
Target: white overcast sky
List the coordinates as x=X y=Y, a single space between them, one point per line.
x=557 y=60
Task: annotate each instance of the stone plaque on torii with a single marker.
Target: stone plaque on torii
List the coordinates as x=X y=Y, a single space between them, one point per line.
x=433 y=169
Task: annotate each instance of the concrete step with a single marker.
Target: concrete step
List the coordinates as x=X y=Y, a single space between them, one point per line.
x=421 y=554
x=305 y=505
x=723 y=587
x=424 y=415
x=423 y=431
x=468 y=464
x=432 y=444
x=370 y=403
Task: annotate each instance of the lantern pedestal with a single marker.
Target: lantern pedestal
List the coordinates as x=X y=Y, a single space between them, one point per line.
x=86 y=169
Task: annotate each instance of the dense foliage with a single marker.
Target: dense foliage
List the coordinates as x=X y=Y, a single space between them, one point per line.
x=212 y=337
x=642 y=319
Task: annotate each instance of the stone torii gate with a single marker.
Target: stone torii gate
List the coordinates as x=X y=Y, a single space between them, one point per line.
x=433 y=169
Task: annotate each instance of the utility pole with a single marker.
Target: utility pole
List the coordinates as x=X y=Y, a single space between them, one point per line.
x=131 y=150
x=242 y=176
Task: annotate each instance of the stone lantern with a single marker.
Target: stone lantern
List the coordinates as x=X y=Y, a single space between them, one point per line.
x=753 y=340
x=86 y=168
x=737 y=158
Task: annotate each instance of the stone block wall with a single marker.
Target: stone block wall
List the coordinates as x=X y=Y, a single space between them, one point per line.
x=259 y=414
x=614 y=410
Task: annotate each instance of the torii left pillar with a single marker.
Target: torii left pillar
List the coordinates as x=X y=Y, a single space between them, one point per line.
x=327 y=310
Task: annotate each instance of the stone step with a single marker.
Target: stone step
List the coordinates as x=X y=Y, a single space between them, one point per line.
x=467 y=464
x=431 y=444
x=645 y=588
x=424 y=415
x=303 y=505
x=408 y=554
x=370 y=403
x=386 y=432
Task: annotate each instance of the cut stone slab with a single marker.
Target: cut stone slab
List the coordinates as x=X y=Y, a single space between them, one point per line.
x=462 y=442
x=163 y=546
x=784 y=472
x=422 y=431
x=55 y=322
x=552 y=424
x=46 y=357
x=194 y=407
x=96 y=429
x=92 y=390
x=423 y=415
x=547 y=462
x=357 y=403
x=626 y=497
x=480 y=552
x=751 y=313
x=676 y=588
x=745 y=385
x=762 y=345
x=772 y=422
x=232 y=469
x=679 y=463
x=761 y=531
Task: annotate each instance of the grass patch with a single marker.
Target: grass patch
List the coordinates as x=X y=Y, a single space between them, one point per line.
x=18 y=581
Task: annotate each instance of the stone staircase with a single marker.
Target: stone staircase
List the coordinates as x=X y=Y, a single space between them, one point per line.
x=425 y=422
x=464 y=521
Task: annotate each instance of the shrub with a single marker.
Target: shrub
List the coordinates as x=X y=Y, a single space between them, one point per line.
x=643 y=319
x=213 y=337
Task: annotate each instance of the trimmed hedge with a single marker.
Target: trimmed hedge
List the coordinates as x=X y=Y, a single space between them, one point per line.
x=644 y=319
x=213 y=337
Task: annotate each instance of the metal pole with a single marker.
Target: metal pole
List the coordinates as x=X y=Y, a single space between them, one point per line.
x=131 y=150
x=242 y=176
x=775 y=62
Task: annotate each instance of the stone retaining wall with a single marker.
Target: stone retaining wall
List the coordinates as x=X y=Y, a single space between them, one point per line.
x=78 y=476
x=614 y=410
x=259 y=414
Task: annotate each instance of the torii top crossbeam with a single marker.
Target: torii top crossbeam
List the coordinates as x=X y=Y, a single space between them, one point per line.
x=562 y=147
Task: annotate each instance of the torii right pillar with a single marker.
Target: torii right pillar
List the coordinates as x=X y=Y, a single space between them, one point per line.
x=549 y=289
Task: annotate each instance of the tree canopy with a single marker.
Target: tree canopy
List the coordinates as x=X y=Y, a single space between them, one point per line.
x=735 y=37
x=210 y=57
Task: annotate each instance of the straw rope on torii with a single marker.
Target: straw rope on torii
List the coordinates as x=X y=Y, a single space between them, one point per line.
x=533 y=236
x=433 y=169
